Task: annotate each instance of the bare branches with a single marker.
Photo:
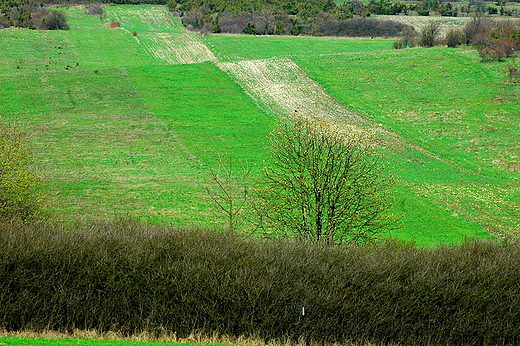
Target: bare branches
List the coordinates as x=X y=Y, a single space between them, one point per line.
x=228 y=189
x=325 y=185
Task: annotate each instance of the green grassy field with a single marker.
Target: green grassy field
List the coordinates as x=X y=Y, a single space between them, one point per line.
x=123 y=124
x=239 y=47
x=25 y=341
x=113 y=137
x=448 y=103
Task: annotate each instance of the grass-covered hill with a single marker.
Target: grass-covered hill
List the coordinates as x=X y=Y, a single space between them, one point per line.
x=130 y=120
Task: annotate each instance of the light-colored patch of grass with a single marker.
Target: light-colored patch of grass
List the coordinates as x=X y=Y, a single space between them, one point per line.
x=447 y=23
x=177 y=48
x=285 y=89
x=161 y=35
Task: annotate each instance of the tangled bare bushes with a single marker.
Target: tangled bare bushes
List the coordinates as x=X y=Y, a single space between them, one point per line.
x=494 y=40
x=35 y=17
x=132 y=278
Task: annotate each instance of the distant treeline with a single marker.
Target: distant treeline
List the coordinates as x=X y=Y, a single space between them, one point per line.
x=274 y=17
x=128 y=277
x=319 y=17
x=268 y=22
x=28 y=14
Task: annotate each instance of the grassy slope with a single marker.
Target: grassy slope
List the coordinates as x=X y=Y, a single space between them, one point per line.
x=121 y=134
x=82 y=92
x=261 y=47
x=458 y=100
x=451 y=105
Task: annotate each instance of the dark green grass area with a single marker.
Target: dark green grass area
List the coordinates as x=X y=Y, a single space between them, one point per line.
x=26 y=341
x=464 y=115
x=240 y=47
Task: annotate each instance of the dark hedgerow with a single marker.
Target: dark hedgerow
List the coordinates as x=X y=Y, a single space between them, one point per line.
x=132 y=278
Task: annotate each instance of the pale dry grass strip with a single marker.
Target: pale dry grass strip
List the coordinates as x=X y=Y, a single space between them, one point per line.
x=178 y=48
x=285 y=89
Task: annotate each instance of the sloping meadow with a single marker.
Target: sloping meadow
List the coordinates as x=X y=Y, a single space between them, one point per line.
x=132 y=278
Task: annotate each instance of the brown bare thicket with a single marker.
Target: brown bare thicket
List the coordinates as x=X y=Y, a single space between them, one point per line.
x=408 y=38
x=361 y=27
x=454 y=38
x=429 y=34
x=94 y=9
x=513 y=73
x=494 y=40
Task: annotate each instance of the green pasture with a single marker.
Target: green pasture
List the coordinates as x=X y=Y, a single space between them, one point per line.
x=25 y=341
x=463 y=113
x=115 y=133
x=116 y=130
x=117 y=140
x=240 y=47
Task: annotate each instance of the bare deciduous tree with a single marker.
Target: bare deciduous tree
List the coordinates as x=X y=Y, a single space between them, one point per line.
x=429 y=34
x=227 y=188
x=324 y=185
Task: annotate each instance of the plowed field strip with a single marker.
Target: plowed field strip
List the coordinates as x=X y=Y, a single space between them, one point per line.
x=162 y=35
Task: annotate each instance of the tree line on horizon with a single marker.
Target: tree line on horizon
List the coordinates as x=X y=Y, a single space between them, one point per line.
x=260 y=17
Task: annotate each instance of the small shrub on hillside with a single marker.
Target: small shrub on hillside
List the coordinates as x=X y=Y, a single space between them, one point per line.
x=115 y=25
x=488 y=54
x=19 y=197
x=454 y=38
x=477 y=30
x=408 y=38
x=429 y=35
x=513 y=73
x=93 y=9
x=54 y=20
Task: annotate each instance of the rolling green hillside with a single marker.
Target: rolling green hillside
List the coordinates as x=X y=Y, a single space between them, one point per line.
x=129 y=120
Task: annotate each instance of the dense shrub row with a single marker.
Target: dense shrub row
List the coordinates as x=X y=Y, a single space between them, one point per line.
x=132 y=278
